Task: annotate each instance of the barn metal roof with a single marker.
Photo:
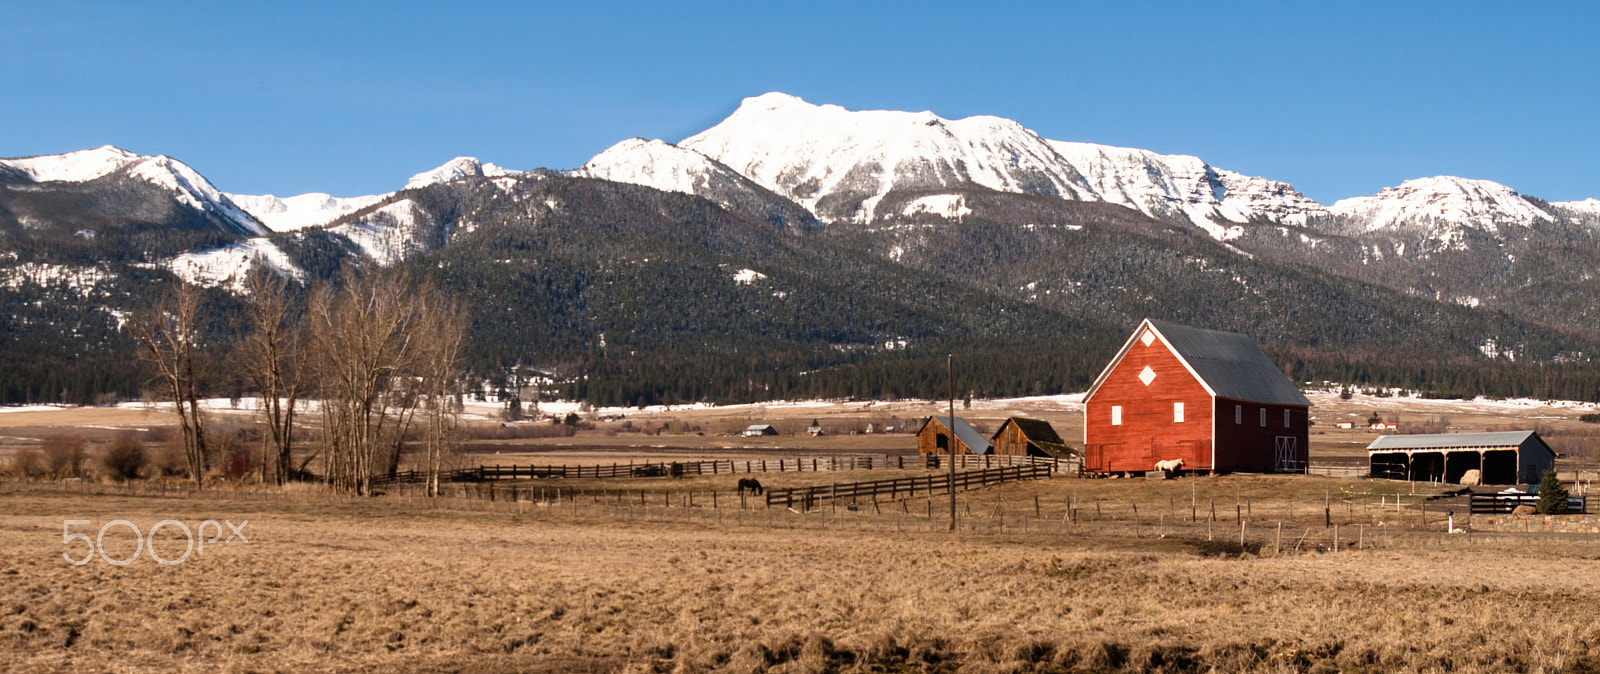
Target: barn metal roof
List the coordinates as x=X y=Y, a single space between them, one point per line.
x=968 y=435
x=1231 y=364
x=1037 y=430
x=1449 y=440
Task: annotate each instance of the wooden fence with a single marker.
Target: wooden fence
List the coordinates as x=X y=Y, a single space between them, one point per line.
x=910 y=487
x=1485 y=504
x=727 y=466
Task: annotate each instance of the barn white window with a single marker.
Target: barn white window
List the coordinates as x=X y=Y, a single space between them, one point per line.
x=1286 y=418
x=1177 y=413
x=1116 y=415
x=1263 y=417
x=1238 y=414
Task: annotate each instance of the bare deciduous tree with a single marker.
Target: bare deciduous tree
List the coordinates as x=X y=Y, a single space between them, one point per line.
x=168 y=336
x=383 y=349
x=439 y=373
x=271 y=357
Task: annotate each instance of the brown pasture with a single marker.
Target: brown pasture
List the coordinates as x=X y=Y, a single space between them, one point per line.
x=598 y=583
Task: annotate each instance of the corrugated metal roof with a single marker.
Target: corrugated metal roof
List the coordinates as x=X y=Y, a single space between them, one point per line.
x=1231 y=364
x=1450 y=440
x=968 y=435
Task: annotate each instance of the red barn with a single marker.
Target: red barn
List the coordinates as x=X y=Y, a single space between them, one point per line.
x=1210 y=398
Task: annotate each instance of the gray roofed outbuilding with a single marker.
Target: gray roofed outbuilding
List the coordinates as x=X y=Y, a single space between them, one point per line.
x=1451 y=440
x=1506 y=457
x=969 y=436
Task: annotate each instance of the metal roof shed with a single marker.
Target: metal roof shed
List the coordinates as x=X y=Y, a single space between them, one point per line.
x=1509 y=457
x=934 y=438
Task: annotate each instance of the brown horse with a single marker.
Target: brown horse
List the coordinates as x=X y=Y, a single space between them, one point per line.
x=751 y=484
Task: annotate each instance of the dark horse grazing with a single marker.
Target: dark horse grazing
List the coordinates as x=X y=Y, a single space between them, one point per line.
x=751 y=484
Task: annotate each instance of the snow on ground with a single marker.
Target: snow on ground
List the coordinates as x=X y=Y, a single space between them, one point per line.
x=747 y=276
x=490 y=411
x=1479 y=405
x=946 y=205
x=36 y=408
x=78 y=279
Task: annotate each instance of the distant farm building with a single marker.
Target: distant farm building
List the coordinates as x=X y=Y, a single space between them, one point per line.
x=1210 y=398
x=934 y=437
x=1346 y=424
x=1510 y=457
x=1019 y=436
x=760 y=429
x=1385 y=426
x=814 y=431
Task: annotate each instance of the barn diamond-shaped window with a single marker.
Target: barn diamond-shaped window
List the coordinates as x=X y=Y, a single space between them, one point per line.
x=1148 y=337
x=1147 y=376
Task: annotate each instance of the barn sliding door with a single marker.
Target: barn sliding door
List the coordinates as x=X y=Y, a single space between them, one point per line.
x=1287 y=451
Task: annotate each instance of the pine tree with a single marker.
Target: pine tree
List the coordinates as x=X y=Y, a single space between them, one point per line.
x=1552 y=496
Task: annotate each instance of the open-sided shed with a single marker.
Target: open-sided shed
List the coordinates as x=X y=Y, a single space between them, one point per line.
x=1509 y=457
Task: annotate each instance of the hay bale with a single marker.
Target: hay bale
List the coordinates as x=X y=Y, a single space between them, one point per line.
x=1524 y=510
x=1472 y=478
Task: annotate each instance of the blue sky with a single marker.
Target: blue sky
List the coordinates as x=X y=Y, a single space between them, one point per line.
x=1340 y=99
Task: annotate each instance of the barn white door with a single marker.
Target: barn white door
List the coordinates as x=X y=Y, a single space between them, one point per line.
x=1287 y=449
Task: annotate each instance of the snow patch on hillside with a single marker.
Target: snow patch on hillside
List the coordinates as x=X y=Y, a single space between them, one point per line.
x=953 y=206
x=387 y=235
x=79 y=280
x=747 y=276
x=229 y=266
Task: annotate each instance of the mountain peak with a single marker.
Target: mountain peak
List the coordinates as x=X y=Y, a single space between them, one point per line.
x=772 y=100
x=76 y=166
x=1484 y=205
x=839 y=163
x=455 y=169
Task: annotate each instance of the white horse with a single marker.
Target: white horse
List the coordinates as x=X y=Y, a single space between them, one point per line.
x=1170 y=466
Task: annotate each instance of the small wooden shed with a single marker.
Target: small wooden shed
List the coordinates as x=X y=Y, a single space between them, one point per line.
x=760 y=429
x=1509 y=457
x=1020 y=436
x=934 y=437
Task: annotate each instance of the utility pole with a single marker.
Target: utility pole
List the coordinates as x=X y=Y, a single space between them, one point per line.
x=950 y=369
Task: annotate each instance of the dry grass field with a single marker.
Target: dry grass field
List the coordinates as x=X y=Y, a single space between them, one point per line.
x=601 y=584
x=659 y=575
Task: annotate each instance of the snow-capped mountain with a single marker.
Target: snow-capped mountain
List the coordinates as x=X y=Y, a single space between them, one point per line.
x=1443 y=202
x=288 y=214
x=1185 y=188
x=455 y=169
x=108 y=164
x=670 y=168
x=314 y=209
x=840 y=164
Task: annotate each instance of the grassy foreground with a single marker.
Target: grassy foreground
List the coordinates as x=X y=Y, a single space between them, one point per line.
x=397 y=584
